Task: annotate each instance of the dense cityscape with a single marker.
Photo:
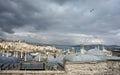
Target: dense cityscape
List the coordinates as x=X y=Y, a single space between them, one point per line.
x=5 y=45
x=59 y=37
x=24 y=57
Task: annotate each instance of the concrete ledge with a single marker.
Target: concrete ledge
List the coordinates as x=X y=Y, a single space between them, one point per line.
x=74 y=62
x=40 y=72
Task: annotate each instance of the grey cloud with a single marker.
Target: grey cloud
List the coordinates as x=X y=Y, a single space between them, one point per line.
x=61 y=17
x=18 y=13
x=101 y=20
x=62 y=1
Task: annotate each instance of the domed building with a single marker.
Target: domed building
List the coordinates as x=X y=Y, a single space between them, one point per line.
x=82 y=50
x=96 y=51
x=82 y=58
x=86 y=56
x=108 y=53
x=91 y=62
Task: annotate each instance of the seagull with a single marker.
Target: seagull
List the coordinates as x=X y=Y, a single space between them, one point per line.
x=91 y=10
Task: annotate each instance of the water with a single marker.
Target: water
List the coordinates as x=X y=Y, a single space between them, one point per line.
x=62 y=47
x=77 y=47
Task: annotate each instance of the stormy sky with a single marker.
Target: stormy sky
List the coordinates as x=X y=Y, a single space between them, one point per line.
x=64 y=22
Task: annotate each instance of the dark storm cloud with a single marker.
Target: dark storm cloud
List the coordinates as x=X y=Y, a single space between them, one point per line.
x=61 y=2
x=61 y=21
x=18 y=13
x=103 y=19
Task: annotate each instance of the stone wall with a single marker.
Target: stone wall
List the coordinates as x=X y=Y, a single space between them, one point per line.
x=93 y=68
x=111 y=67
x=17 y=72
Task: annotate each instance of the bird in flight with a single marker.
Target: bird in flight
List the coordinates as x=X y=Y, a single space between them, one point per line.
x=91 y=10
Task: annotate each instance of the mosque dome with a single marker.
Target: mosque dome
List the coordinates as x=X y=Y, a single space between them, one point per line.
x=60 y=58
x=51 y=60
x=96 y=51
x=29 y=58
x=10 y=60
x=38 y=57
x=82 y=58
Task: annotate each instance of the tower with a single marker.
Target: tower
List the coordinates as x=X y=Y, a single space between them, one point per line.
x=39 y=57
x=82 y=49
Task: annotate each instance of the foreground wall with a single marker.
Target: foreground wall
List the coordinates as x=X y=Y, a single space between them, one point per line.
x=93 y=68
x=111 y=67
x=17 y=72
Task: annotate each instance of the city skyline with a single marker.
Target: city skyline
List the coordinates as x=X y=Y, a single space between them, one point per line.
x=67 y=22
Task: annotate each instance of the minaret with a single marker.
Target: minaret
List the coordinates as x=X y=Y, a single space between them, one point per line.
x=21 y=54
x=7 y=54
x=82 y=49
x=73 y=49
x=108 y=53
x=68 y=50
x=3 y=52
x=25 y=57
x=39 y=57
x=16 y=54
x=103 y=48
x=98 y=47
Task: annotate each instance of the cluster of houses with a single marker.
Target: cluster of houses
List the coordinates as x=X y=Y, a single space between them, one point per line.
x=23 y=46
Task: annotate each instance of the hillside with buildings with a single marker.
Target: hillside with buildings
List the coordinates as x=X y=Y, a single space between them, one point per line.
x=17 y=45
